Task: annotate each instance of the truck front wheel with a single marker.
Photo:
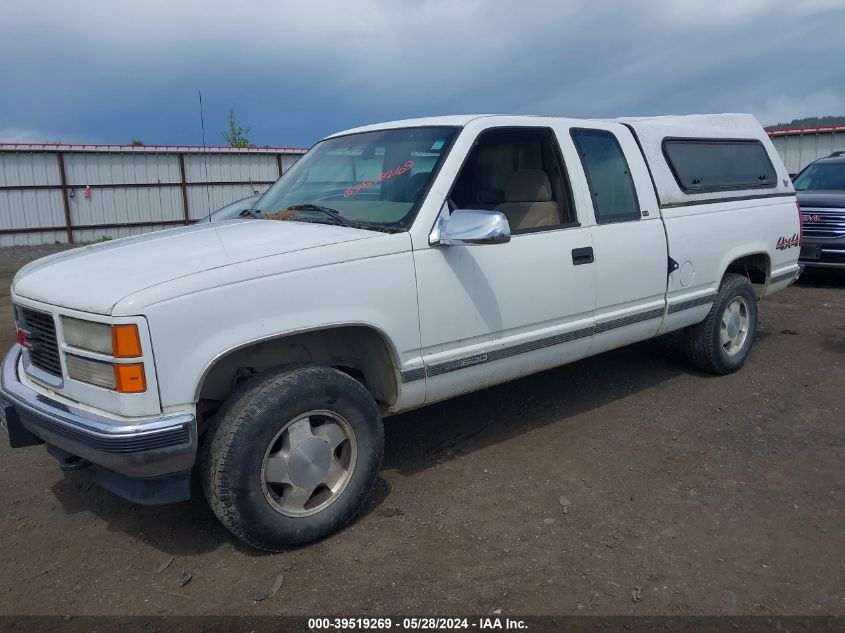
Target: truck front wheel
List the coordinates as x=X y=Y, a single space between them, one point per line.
x=292 y=456
x=721 y=343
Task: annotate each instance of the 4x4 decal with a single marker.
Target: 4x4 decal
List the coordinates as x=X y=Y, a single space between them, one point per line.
x=788 y=242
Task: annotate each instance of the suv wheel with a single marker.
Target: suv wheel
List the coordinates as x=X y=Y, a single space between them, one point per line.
x=721 y=343
x=292 y=457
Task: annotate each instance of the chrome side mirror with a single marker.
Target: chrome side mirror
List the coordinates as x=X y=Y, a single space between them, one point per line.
x=470 y=226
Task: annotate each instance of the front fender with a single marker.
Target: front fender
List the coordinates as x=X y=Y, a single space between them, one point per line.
x=190 y=332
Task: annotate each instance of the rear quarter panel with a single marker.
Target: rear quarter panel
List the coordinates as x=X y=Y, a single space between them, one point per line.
x=704 y=239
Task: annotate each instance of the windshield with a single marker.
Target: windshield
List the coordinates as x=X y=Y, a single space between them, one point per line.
x=372 y=179
x=822 y=177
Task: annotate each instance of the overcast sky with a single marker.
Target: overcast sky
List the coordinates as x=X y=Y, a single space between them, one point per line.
x=102 y=71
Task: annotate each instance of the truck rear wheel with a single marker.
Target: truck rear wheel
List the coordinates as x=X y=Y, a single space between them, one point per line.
x=721 y=343
x=292 y=456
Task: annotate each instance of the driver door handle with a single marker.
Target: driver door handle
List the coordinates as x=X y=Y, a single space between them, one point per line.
x=582 y=256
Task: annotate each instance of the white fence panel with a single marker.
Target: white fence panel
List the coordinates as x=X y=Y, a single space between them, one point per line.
x=798 y=149
x=26 y=209
x=35 y=168
x=119 y=190
x=119 y=169
x=230 y=168
x=127 y=206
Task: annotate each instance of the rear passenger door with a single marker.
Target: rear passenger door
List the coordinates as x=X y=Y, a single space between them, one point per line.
x=631 y=256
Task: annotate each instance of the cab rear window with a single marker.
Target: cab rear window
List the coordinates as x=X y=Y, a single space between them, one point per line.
x=703 y=165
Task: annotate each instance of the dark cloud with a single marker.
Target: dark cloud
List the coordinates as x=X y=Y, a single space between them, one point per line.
x=297 y=71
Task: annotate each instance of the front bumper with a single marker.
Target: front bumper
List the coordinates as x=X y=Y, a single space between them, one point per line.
x=148 y=461
x=822 y=253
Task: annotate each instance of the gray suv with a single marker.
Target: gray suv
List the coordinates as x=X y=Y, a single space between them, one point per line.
x=821 y=196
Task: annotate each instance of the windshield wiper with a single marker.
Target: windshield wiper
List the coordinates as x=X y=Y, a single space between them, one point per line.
x=328 y=211
x=251 y=213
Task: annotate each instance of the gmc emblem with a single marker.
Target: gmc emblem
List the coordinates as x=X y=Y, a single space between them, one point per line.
x=23 y=339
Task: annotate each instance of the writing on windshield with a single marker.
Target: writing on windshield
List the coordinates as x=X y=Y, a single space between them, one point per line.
x=385 y=175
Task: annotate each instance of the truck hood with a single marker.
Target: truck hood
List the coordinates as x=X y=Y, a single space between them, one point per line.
x=821 y=199
x=96 y=277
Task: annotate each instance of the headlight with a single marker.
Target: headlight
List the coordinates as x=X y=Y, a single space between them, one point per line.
x=115 y=341
x=87 y=335
x=124 y=378
x=120 y=341
x=94 y=372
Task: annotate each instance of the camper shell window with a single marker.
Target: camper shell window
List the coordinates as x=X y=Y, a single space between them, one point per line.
x=704 y=165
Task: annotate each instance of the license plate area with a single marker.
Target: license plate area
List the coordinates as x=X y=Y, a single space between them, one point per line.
x=812 y=252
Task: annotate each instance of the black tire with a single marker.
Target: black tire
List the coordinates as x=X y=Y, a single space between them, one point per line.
x=235 y=449
x=703 y=340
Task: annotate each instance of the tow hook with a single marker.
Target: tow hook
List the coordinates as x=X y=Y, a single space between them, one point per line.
x=67 y=461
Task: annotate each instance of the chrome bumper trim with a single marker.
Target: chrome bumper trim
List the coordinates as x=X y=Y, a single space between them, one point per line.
x=821 y=264
x=146 y=448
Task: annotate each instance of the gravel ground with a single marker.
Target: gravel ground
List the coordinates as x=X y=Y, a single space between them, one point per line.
x=688 y=494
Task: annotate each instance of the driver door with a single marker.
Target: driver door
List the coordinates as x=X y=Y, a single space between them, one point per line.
x=490 y=313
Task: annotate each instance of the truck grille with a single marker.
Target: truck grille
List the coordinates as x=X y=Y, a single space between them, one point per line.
x=824 y=223
x=42 y=337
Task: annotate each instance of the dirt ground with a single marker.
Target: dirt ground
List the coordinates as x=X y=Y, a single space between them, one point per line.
x=690 y=494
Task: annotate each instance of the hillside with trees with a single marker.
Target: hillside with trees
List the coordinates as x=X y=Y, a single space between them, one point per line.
x=810 y=121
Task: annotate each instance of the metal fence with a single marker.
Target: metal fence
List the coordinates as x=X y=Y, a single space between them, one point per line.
x=800 y=147
x=79 y=193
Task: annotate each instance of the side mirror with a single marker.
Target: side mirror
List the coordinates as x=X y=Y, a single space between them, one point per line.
x=470 y=226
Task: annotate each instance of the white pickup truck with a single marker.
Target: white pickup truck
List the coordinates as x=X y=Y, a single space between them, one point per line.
x=393 y=266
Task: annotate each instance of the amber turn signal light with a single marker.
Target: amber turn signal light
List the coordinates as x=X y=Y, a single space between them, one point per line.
x=125 y=341
x=130 y=378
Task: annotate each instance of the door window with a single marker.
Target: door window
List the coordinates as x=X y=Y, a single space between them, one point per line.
x=611 y=186
x=519 y=172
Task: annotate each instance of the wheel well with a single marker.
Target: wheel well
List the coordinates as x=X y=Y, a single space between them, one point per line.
x=360 y=351
x=756 y=267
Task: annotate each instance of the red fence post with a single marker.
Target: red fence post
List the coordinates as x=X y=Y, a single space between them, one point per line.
x=68 y=223
x=184 y=185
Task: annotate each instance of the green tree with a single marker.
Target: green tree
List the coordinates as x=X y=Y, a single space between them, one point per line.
x=235 y=136
x=137 y=142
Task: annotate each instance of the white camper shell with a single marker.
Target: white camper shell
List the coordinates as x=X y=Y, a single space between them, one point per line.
x=731 y=131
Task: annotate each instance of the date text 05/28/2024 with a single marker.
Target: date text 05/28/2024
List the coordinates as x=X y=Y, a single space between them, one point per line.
x=414 y=624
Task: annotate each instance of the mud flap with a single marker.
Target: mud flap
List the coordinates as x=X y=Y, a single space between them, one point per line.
x=19 y=436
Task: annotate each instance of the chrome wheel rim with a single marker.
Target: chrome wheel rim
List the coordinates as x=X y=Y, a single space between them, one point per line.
x=734 y=327
x=309 y=463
